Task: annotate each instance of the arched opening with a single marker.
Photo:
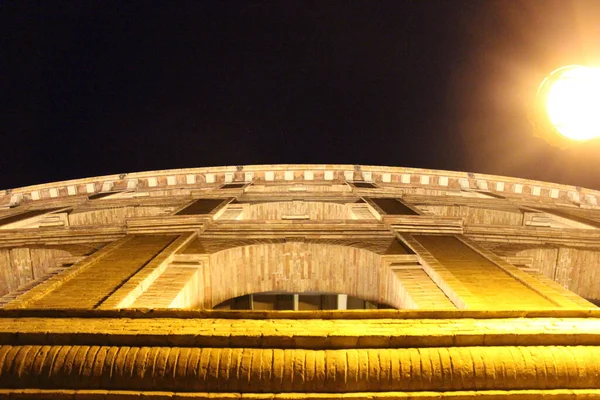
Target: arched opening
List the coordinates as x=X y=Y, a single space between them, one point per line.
x=307 y=301
x=296 y=267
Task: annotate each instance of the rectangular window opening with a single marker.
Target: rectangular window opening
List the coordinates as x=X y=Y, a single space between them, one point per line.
x=201 y=206
x=233 y=185
x=364 y=185
x=393 y=206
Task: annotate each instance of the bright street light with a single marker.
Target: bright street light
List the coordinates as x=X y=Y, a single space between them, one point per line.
x=569 y=99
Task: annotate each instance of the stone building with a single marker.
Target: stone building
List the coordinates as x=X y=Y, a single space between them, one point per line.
x=299 y=281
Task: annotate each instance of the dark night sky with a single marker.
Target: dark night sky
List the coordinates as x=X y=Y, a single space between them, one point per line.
x=99 y=87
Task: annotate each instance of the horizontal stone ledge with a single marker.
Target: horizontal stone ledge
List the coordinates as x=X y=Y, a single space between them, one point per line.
x=301 y=334
x=49 y=394
x=297 y=371
x=304 y=315
x=331 y=342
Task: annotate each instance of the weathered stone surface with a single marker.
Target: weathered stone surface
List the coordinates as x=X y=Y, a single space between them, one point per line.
x=493 y=329
x=497 y=211
x=307 y=334
x=90 y=283
x=246 y=370
x=404 y=314
x=561 y=394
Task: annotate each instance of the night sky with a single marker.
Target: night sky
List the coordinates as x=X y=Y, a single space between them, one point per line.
x=98 y=87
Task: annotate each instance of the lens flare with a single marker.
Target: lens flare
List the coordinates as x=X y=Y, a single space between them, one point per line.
x=573 y=101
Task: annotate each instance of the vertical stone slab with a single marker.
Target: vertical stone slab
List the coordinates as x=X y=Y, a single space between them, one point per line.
x=145 y=278
x=8 y=280
x=491 y=284
x=94 y=281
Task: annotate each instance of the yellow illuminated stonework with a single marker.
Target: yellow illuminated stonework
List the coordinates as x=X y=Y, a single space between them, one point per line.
x=299 y=282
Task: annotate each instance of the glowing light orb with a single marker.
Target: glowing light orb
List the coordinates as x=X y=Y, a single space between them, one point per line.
x=573 y=101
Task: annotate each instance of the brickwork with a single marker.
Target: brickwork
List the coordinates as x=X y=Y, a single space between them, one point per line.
x=479 y=215
x=133 y=319
x=312 y=210
x=491 y=287
x=559 y=394
x=242 y=370
x=439 y=181
x=565 y=293
x=417 y=331
x=94 y=284
x=294 y=267
x=423 y=291
x=177 y=286
x=556 y=296
x=573 y=268
x=111 y=216
x=18 y=266
x=189 y=288
x=439 y=274
x=145 y=277
x=379 y=242
x=56 y=281
x=397 y=292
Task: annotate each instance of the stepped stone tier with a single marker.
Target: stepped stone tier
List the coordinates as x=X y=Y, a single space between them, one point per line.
x=300 y=282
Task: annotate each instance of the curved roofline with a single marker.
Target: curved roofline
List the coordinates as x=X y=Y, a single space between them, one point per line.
x=296 y=172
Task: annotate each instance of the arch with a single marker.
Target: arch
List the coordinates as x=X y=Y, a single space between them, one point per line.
x=297 y=267
x=307 y=301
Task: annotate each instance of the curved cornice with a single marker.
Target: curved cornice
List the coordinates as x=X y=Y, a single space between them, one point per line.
x=297 y=173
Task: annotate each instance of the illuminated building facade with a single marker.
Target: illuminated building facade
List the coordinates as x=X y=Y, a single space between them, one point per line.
x=300 y=281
